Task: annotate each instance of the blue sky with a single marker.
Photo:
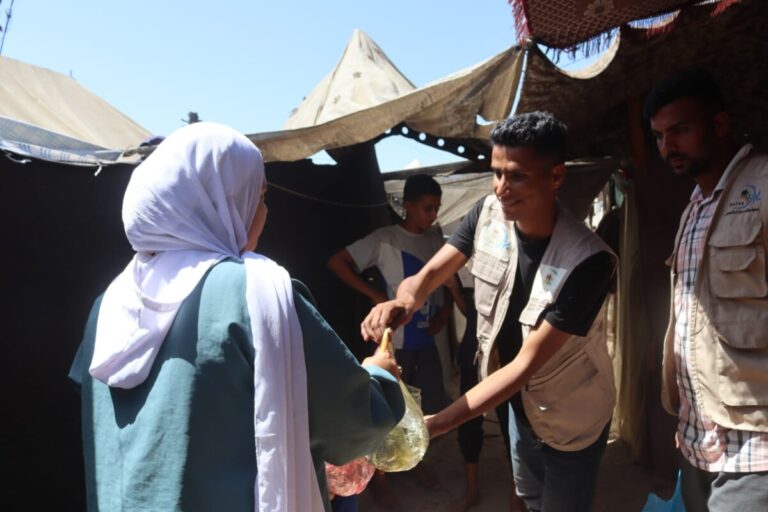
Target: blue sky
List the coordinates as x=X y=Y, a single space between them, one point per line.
x=246 y=64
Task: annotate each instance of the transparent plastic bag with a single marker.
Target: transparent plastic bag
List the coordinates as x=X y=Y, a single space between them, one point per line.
x=406 y=444
x=349 y=479
x=415 y=393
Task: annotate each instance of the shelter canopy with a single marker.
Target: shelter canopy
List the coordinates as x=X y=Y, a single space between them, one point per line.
x=364 y=77
x=446 y=108
x=49 y=115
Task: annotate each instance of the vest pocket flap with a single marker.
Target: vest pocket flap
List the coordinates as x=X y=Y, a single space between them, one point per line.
x=487 y=267
x=746 y=328
x=742 y=379
x=734 y=258
x=488 y=272
x=743 y=234
x=736 y=273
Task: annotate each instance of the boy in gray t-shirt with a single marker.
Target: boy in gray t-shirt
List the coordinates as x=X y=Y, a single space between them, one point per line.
x=400 y=251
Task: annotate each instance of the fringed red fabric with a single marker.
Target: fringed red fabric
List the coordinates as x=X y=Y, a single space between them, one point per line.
x=657 y=25
x=588 y=26
x=522 y=28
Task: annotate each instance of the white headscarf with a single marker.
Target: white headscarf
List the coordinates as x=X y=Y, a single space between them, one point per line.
x=187 y=207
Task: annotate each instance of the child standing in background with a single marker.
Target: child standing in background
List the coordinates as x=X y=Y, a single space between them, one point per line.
x=399 y=251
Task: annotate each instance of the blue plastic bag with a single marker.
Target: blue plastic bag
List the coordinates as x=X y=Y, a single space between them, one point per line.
x=675 y=504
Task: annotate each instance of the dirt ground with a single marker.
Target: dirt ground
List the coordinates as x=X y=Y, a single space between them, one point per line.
x=622 y=485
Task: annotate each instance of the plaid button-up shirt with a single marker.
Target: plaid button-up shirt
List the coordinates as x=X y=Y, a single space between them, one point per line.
x=704 y=443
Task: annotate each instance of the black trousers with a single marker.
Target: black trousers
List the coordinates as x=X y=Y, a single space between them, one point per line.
x=471 y=433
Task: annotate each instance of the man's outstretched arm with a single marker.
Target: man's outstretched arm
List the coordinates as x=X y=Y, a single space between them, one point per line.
x=540 y=345
x=412 y=293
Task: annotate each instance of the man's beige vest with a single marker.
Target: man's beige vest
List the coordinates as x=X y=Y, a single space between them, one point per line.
x=570 y=399
x=729 y=346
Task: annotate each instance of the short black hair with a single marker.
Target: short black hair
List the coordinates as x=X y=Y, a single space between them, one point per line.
x=419 y=185
x=696 y=83
x=541 y=131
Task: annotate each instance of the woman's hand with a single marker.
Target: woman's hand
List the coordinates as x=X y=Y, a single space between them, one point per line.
x=384 y=360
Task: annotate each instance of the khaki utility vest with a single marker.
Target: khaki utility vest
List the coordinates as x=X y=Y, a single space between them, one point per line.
x=570 y=399
x=729 y=346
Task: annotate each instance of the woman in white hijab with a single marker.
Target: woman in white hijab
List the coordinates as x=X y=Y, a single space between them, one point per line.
x=209 y=381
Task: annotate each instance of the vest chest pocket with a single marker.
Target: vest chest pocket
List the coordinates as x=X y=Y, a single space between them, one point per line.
x=737 y=262
x=488 y=271
x=737 y=280
x=738 y=271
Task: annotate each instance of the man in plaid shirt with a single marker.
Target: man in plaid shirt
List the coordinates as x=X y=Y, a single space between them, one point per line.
x=716 y=350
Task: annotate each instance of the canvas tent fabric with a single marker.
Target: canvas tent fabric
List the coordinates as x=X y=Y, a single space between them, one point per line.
x=446 y=108
x=32 y=141
x=567 y=23
x=460 y=193
x=363 y=78
x=48 y=115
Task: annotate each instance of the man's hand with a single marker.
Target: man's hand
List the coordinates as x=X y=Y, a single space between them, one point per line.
x=412 y=293
x=392 y=313
x=433 y=426
x=384 y=360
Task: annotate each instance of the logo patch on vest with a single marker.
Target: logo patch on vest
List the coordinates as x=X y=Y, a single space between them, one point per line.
x=547 y=281
x=494 y=239
x=746 y=201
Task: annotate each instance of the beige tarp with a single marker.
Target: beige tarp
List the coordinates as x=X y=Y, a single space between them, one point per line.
x=364 y=77
x=57 y=103
x=445 y=108
x=460 y=193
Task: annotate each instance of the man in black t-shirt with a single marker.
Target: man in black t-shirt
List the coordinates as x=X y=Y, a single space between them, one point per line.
x=541 y=278
x=573 y=312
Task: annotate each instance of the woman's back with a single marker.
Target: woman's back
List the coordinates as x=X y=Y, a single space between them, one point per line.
x=201 y=363
x=183 y=439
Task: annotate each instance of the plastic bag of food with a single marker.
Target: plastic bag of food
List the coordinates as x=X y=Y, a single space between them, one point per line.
x=406 y=444
x=349 y=479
